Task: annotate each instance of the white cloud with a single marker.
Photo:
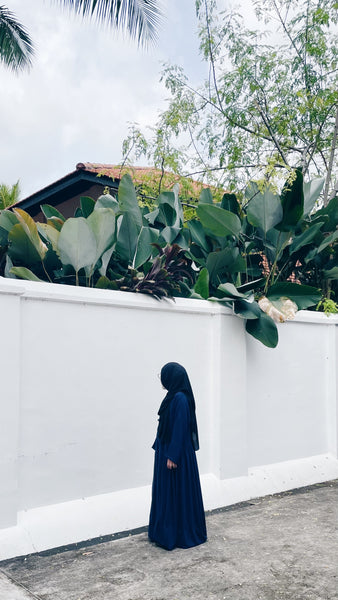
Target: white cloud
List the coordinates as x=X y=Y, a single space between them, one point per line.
x=86 y=84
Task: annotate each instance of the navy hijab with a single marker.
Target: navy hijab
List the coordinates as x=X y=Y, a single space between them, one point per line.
x=174 y=378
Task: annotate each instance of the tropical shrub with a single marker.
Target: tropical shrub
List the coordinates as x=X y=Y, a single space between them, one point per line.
x=265 y=259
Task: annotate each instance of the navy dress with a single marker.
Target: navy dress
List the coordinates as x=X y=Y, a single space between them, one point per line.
x=177 y=514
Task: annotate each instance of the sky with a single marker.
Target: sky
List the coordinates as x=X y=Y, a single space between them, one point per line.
x=86 y=84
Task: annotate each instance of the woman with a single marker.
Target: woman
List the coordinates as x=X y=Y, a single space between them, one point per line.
x=177 y=513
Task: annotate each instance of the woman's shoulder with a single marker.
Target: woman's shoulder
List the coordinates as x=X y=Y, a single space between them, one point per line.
x=180 y=398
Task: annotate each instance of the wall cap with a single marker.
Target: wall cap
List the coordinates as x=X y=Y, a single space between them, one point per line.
x=56 y=292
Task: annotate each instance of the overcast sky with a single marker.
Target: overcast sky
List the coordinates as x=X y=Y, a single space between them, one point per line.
x=86 y=84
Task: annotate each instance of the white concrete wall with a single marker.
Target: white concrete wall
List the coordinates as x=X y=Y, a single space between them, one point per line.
x=80 y=393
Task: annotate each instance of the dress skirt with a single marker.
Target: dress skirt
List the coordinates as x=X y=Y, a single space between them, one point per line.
x=177 y=514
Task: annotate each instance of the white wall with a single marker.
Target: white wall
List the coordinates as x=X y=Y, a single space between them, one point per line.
x=80 y=393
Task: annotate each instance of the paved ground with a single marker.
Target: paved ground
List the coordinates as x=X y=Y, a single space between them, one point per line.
x=280 y=547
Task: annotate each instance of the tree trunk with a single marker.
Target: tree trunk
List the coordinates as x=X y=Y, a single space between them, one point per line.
x=329 y=170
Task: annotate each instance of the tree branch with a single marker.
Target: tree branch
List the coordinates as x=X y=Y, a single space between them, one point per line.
x=268 y=126
x=332 y=153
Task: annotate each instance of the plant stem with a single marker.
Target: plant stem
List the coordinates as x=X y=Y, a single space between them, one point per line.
x=46 y=272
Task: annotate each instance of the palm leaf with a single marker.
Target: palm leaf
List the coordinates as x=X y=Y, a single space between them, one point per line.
x=16 y=47
x=9 y=195
x=140 y=18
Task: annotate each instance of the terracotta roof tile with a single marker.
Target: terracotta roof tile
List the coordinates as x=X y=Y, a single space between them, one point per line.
x=116 y=171
x=138 y=175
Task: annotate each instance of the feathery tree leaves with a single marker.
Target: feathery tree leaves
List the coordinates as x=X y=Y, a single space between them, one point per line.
x=269 y=104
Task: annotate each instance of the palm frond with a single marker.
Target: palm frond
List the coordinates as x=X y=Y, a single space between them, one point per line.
x=16 y=47
x=141 y=18
x=9 y=195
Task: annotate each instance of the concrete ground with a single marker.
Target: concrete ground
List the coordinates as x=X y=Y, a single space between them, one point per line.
x=281 y=547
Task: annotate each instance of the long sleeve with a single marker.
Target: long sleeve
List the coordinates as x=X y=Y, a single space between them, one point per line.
x=180 y=436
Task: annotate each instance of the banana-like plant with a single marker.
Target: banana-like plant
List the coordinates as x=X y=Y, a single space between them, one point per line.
x=266 y=258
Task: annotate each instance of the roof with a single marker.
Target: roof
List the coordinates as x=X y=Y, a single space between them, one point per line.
x=87 y=174
x=150 y=176
x=70 y=185
x=116 y=171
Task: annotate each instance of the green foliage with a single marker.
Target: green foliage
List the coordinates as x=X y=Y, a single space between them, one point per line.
x=202 y=284
x=265 y=209
x=264 y=260
x=328 y=306
x=150 y=182
x=219 y=221
x=263 y=329
x=9 y=195
x=268 y=106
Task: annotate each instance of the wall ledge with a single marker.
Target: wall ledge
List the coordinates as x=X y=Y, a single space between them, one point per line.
x=33 y=290
x=68 y=293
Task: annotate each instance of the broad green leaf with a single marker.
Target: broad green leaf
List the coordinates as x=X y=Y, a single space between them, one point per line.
x=183 y=239
x=24 y=273
x=152 y=216
x=169 y=234
x=328 y=240
x=127 y=238
x=56 y=223
x=197 y=254
x=265 y=210
x=103 y=283
x=202 y=284
x=170 y=208
x=198 y=234
x=21 y=249
x=230 y=291
x=312 y=190
x=107 y=201
x=147 y=236
x=8 y=219
x=77 y=244
x=221 y=222
x=276 y=240
x=304 y=238
x=102 y=224
x=263 y=329
x=105 y=258
x=331 y=273
x=311 y=255
x=303 y=295
x=251 y=190
x=330 y=213
x=167 y=213
x=8 y=266
x=31 y=230
x=128 y=200
x=87 y=205
x=230 y=203
x=206 y=196
x=50 y=233
x=226 y=261
x=292 y=199
x=247 y=310
x=3 y=237
x=50 y=211
x=251 y=285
